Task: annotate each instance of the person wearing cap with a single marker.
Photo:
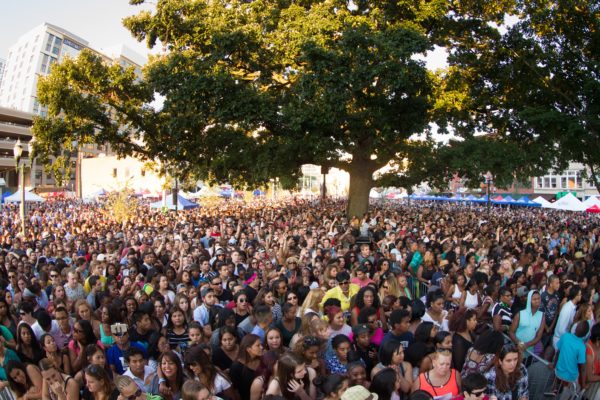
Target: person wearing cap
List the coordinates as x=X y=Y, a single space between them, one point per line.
x=358 y=392
x=115 y=355
x=367 y=351
x=343 y=292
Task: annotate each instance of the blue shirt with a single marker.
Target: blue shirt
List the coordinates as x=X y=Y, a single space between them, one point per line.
x=572 y=353
x=405 y=338
x=116 y=357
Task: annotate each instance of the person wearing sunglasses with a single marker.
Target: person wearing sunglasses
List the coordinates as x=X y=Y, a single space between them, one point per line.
x=128 y=390
x=343 y=292
x=473 y=388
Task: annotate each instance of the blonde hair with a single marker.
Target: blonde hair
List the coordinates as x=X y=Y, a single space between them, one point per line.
x=122 y=381
x=190 y=389
x=312 y=301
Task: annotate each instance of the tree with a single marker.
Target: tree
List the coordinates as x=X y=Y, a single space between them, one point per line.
x=255 y=89
x=531 y=90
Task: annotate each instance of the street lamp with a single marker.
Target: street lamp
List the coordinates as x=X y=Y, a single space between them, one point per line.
x=18 y=152
x=489 y=178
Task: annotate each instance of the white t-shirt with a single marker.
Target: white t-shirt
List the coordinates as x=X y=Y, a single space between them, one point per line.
x=220 y=384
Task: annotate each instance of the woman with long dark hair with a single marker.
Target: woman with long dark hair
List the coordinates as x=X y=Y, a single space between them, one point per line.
x=227 y=352
x=243 y=371
x=294 y=379
x=385 y=385
x=83 y=335
x=94 y=355
x=199 y=367
x=463 y=324
x=28 y=348
x=264 y=374
x=391 y=355
x=25 y=380
x=177 y=330
x=507 y=379
x=60 y=359
x=366 y=297
x=7 y=318
x=169 y=365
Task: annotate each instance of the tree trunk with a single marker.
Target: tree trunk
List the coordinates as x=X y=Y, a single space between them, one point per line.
x=361 y=182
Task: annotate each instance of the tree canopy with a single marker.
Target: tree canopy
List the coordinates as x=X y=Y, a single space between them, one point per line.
x=254 y=89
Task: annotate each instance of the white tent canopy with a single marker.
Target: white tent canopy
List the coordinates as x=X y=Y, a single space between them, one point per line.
x=568 y=203
x=591 y=201
x=540 y=200
x=29 y=196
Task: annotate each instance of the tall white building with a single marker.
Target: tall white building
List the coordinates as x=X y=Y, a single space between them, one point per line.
x=30 y=57
x=34 y=54
x=2 y=65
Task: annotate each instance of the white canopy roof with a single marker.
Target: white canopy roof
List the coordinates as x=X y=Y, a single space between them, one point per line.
x=29 y=196
x=591 y=201
x=540 y=200
x=568 y=203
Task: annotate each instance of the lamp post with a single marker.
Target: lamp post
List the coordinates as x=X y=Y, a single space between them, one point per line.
x=18 y=152
x=488 y=180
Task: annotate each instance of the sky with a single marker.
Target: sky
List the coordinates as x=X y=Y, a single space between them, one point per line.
x=97 y=21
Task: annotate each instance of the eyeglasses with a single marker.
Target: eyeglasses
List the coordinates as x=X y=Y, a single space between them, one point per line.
x=292 y=298
x=134 y=396
x=241 y=300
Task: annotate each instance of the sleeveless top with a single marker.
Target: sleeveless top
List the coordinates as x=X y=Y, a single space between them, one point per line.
x=106 y=340
x=457 y=293
x=449 y=389
x=471 y=301
x=528 y=326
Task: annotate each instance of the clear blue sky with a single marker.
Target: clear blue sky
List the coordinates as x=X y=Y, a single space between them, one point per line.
x=97 y=21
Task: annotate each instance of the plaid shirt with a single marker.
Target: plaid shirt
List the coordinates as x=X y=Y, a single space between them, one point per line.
x=522 y=386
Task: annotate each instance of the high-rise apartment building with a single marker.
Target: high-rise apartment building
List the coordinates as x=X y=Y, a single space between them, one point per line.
x=2 y=65
x=33 y=55
x=30 y=57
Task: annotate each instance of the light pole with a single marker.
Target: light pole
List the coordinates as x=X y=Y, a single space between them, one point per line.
x=488 y=180
x=18 y=152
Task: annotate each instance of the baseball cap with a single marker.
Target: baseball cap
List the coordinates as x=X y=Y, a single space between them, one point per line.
x=360 y=329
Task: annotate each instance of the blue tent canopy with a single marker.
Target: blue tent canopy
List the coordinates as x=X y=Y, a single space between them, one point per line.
x=182 y=203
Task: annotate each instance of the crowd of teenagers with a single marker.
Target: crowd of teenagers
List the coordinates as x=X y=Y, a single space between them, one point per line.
x=291 y=300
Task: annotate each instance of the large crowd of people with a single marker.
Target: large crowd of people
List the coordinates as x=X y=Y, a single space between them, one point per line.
x=292 y=300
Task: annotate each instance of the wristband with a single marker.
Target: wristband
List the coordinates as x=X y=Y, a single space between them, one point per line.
x=161 y=380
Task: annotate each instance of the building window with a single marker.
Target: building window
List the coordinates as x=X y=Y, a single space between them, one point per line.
x=563 y=182
x=553 y=182
x=49 y=42
x=539 y=182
